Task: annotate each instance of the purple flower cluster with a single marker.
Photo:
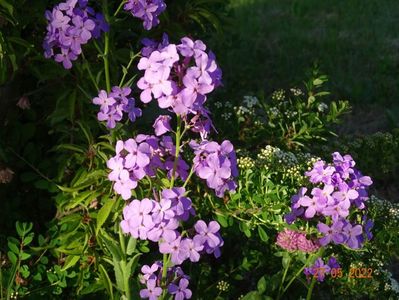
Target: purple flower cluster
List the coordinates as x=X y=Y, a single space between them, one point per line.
x=158 y=222
x=319 y=269
x=71 y=24
x=146 y=10
x=294 y=240
x=217 y=164
x=114 y=104
x=340 y=187
x=180 y=77
x=177 y=282
x=140 y=157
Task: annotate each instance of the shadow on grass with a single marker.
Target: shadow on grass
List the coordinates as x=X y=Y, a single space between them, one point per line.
x=271 y=44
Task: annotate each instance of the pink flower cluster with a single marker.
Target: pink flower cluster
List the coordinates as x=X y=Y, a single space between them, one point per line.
x=294 y=240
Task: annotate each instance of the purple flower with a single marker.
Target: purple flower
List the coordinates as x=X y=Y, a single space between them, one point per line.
x=162 y=125
x=333 y=233
x=333 y=263
x=208 y=233
x=320 y=173
x=165 y=230
x=181 y=205
x=115 y=104
x=193 y=247
x=71 y=24
x=214 y=172
x=137 y=218
x=104 y=101
x=152 y=292
x=148 y=272
x=66 y=57
x=217 y=164
x=179 y=77
x=146 y=10
x=132 y=111
x=352 y=233
x=369 y=224
x=180 y=291
x=319 y=269
x=178 y=254
x=313 y=205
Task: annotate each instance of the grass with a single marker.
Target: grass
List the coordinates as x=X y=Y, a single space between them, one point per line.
x=271 y=44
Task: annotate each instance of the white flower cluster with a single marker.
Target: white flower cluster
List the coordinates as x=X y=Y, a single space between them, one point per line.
x=250 y=101
x=226 y=116
x=218 y=104
x=290 y=113
x=322 y=107
x=274 y=111
x=223 y=286
x=278 y=95
x=392 y=285
x=271 y=154
x=389 y=211
x=296 y=91
x=243 y=110
x=245 y=162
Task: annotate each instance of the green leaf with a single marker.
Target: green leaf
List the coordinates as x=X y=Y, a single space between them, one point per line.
x=106 y=281
x=24 y=256
x=131 y=245
x=20 y=229
x=71 y=147
x=317 y=81
x=104 y=213
x=70 y=261
x=132 y=264
x=87 y=196
x=86 y=131
x=119 y=275
x=254 y=295
x=14 y=248
x=244 y=228
x=262 y=234
x=12 y=257
x=222 y=220
x=7 y=6
x=262 y=285
x=111 y=245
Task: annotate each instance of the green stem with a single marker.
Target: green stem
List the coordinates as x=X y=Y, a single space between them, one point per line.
x=87 y=65
x=296 y=275
x=310 y=289
x=283 y=279
x=177 y=152
x=106 y=49
x=30 y=165
x=127 y=286
x=165 y=263
x=119 y=8
x=189 y=177
x=127 y=68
